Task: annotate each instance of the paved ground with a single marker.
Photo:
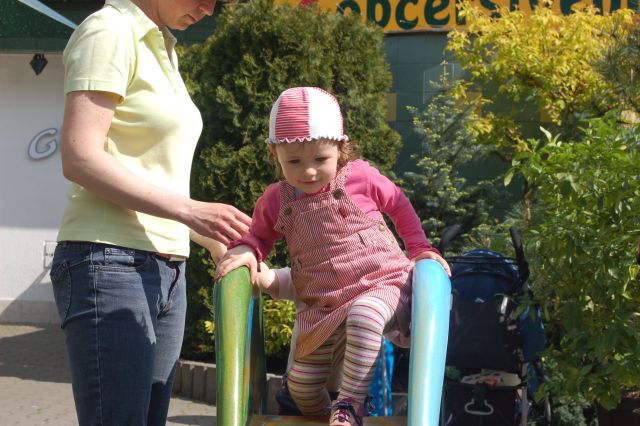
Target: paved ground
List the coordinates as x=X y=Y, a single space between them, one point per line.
x=35 y=388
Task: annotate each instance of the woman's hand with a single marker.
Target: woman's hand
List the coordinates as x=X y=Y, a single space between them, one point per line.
x=435 y=256
x=242 y=255
x=221 y=222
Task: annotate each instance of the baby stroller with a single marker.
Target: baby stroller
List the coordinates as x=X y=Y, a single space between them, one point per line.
x=493 y=366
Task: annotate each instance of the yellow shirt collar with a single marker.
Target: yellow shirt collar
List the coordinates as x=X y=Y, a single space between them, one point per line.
x=143 y=24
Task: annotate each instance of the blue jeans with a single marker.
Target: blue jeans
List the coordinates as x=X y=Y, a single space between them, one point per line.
x=123 y=313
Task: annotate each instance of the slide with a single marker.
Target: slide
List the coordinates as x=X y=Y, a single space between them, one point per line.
x=240 y=360
x=429 y=334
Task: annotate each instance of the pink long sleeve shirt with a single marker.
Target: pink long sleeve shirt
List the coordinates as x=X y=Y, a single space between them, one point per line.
x=371 y=191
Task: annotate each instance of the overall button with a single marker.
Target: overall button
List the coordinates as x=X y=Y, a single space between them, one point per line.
x=381 y=227
x=287 y=211
x=338 y=193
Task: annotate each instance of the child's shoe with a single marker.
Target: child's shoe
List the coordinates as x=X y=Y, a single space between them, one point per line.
x=344 y=413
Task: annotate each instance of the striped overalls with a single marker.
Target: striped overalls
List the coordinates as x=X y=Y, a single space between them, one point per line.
x=354 y=278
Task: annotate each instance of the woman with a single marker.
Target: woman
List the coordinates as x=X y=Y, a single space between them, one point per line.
x=129 y=132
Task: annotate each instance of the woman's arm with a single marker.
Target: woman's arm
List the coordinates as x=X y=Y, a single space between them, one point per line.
x=87 y=118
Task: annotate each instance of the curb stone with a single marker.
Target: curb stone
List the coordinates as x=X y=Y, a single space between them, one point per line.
x=197 y=381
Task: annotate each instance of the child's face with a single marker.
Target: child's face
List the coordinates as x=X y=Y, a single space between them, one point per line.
x=309 y=166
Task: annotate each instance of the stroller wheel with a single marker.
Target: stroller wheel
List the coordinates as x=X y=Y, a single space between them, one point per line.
x=540 y=413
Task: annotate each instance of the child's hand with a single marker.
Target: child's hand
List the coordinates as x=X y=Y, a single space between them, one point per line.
x=236 y=257
x=435 y=256
x=215 y=247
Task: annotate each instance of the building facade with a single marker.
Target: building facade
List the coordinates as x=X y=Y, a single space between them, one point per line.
x=33 y=190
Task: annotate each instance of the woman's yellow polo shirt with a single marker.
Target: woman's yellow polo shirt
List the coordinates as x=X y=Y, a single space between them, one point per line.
x=154 y=130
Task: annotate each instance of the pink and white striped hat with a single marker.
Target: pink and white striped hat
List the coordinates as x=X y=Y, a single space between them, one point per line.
x=303 y=114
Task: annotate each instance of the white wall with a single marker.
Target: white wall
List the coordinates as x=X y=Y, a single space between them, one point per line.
x=32 y=191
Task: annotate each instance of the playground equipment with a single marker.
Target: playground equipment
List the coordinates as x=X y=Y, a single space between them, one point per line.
x=240 y=358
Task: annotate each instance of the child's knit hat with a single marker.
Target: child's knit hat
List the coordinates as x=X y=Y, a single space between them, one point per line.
x=303 y=114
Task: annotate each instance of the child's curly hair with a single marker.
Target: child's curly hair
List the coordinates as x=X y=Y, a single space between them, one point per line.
x=349 y=151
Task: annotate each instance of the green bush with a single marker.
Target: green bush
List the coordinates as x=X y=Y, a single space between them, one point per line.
x=257 y=51
x=583 y=236
x=278 y=319
x=524 y=68
x=198 y=337
x=579 y=216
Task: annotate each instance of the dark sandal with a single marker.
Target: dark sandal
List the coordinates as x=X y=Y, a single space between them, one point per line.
x=343 y=413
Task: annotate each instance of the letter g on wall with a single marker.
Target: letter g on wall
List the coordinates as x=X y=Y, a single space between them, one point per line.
x=43 y=144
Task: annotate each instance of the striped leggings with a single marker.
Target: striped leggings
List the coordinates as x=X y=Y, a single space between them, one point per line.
x=356 y=344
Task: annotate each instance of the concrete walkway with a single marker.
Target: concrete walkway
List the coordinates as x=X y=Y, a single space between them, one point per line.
x=35 y=385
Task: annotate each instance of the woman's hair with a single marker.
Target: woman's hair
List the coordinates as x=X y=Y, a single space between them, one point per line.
x=349 y=151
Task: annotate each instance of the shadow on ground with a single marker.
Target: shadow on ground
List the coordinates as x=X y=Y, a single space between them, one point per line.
x=38 y=354
x=193 y=420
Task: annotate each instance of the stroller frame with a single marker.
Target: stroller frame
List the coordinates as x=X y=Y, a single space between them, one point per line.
x=489 y=315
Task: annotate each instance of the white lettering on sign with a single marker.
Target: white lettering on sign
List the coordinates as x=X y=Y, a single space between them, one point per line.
x=43 y=144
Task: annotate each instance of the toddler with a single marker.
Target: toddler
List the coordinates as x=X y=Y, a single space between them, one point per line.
x=346 y=266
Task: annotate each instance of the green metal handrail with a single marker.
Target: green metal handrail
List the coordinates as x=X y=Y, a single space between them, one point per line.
x=239 y=342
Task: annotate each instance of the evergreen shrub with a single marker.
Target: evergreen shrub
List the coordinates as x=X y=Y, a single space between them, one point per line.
x=437 y=188
x=258 y=50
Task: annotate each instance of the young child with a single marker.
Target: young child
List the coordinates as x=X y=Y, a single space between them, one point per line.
x=346 y=265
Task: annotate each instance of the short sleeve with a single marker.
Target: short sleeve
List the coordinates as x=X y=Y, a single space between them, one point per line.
x=286 y=290
x=99 y=55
